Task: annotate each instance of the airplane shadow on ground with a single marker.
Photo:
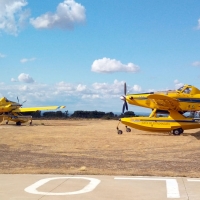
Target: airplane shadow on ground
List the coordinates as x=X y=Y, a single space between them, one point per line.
x=156 y=134
x=196 y=135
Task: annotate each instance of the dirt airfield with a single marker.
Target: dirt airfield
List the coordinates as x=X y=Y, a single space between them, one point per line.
x=94 y=147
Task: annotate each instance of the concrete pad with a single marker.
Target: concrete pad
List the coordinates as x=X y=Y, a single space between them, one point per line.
x=65 y=187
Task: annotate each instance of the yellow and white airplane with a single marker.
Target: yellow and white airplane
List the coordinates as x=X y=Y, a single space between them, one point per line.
x=173 y=102
x=12 y=111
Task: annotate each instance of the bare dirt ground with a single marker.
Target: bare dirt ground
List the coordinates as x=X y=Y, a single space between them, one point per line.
x=94 y=147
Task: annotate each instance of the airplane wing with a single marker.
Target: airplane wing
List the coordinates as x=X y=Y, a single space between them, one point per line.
x=34 y=109
x=163 y=102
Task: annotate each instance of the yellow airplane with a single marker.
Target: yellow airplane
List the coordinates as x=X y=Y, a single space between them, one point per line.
x=172 y=102
x=11 y=111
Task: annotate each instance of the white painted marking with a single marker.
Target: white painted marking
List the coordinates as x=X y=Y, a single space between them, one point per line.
x=172 y=188
x=193 y=180
x=88 y=188
x=171 y=185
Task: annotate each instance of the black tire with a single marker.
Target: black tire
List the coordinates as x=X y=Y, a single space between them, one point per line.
x=128 y=130
x=177 y=131
x=18 y=123
x=181 y=130
x=119 y=132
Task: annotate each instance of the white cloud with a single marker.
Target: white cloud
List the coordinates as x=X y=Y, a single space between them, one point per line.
x=81 y=88
x=177 y=84
x=107 y=65
x=196 y=64
x=63 y=87
x=198 y=27
x=24 y=88
x=66 y=16
x=12 y=15
x=25 y=60
x=93 y=96
x=25 y=78
x=2 y=55
x=13 y=80
x=106 y=89
x=137 y=88
x=99 y=96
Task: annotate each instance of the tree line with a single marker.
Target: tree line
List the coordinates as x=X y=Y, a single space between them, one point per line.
x=79 y=114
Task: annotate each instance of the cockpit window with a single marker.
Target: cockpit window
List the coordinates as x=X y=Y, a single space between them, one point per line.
x=187 y=90
x=9 y=101
x=181 y=88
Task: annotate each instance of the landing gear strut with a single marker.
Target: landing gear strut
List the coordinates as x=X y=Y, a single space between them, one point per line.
x=120 y=131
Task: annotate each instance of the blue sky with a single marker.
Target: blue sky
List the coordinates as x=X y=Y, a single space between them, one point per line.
x=79 y=53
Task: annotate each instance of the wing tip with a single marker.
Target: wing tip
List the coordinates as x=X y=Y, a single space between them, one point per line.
x=61 y=107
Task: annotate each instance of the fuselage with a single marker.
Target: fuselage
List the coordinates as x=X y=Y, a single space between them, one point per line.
x=7 y=106
x=188 y=98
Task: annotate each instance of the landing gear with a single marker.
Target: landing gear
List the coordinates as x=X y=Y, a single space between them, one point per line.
x=177 y=131
x=18 y=123
x=6 y=122
x=128 y=129
x=120 y=131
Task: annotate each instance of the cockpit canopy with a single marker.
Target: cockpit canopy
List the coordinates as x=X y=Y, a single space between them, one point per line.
x=185 y=89
x=6 y=100
x=188 y=89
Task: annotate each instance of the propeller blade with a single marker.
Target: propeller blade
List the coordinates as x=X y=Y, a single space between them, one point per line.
x=125 y=106
x=18 y=99
x=125 y=88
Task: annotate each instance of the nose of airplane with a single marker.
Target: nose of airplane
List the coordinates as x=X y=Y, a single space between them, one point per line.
x=123 y=98
x=16 y=104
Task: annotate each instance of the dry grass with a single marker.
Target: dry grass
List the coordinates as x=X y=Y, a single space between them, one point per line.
x=94 y=147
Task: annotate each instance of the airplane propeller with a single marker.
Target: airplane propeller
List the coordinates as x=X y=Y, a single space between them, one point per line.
x=20 y=103
x=123 y=98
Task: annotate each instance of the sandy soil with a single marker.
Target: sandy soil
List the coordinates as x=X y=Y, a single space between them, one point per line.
x=94 y=147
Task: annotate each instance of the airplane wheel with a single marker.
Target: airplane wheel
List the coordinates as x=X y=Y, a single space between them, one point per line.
x=30 y=123
x=128 y=130
x=177 y=131
x=18 y=123
x=6 y=122
x=119 y=132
